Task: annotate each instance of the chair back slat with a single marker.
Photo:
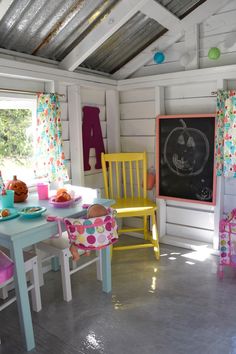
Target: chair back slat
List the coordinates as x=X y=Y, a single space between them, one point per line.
x=145 y=176
x=118 y=179
x=126 y=175
x=105 y=177
x=138 y=179
x=131 y=179
x=111 y=180
x=124 y=179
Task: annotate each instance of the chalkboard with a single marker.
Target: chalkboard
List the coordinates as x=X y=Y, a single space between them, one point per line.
x=185 y=157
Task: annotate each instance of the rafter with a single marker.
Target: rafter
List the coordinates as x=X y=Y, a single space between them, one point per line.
x=123 y=11
x=197 y=16
x=4 y=6
x=163 y=16
x=192 y=47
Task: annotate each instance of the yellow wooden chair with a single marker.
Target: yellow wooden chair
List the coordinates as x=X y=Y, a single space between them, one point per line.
x=125 y=180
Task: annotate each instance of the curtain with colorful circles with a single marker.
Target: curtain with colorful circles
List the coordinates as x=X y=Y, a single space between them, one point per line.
x=226 y=133
x=49 y=156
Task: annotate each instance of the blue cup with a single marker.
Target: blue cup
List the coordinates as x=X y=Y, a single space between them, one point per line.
x=7 y=200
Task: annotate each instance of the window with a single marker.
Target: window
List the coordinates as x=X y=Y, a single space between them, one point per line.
x=17 y=137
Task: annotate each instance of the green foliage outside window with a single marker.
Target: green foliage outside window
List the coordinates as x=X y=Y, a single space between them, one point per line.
x=15 y=134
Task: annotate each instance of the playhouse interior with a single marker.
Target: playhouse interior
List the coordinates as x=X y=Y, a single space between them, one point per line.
x=132 y=61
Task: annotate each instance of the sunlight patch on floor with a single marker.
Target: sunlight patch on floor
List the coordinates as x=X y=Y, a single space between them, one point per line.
x=201 y=253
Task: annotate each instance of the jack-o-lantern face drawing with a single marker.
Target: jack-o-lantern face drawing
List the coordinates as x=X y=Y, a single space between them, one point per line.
x=202 y=190
x=186 y=150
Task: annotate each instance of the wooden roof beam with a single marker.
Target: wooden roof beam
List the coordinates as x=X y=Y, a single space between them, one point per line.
x=4 y=6
x=122 y=12
x=163 y=16
x=197 y=16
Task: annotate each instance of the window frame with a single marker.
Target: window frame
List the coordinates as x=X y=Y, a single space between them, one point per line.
x=10 y=100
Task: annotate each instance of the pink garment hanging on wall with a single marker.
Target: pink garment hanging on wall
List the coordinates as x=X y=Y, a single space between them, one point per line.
x=92 y=136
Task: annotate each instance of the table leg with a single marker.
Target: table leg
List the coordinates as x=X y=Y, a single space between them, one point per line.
x=106 y=269
x=22 y=296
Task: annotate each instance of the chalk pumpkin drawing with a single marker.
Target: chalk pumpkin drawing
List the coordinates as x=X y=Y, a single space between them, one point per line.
x=185 y=157
x=186 y=150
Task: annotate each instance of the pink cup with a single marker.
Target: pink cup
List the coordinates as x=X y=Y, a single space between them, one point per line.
x=42 y=189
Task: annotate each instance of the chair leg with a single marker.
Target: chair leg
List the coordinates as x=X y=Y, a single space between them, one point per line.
x=155 y=238
x=65 y=277
x=39 y=254
x=4 y=293
x=99 y=265
x=73 y=264
x=145 y=224
x=35 y=292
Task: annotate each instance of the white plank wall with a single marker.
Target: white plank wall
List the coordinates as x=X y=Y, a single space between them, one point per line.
x=137 y=121
x=62 y=89
x=22 y=84
x=187 y=224
x=193 y=222
x=217 y=31
x=95 y=98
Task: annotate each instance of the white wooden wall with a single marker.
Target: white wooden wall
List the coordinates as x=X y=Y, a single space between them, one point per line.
x=218 y=30
x=137 y=123
x=185 y=224
x=21 y=84
x=62 y=89
x=95 y=98
x=137 y=129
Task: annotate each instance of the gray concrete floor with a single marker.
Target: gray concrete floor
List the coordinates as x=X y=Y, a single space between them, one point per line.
x=174 y=306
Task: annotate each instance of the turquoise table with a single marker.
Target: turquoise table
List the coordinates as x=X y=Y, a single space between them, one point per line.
x=18 y=233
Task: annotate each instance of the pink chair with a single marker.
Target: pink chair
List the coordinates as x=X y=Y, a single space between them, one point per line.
x=7 y=280
x=6 y=273
x=6 y=269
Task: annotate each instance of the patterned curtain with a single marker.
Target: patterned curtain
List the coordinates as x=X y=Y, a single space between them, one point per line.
x=226 y=134
x=49 y=157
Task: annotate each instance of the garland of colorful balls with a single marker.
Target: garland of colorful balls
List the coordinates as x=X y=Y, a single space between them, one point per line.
x=213 y=54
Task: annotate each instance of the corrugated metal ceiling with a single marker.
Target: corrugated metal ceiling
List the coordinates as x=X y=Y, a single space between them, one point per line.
x=52 y=28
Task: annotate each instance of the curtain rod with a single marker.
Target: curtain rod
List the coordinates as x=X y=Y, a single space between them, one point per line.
x=26 y=92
